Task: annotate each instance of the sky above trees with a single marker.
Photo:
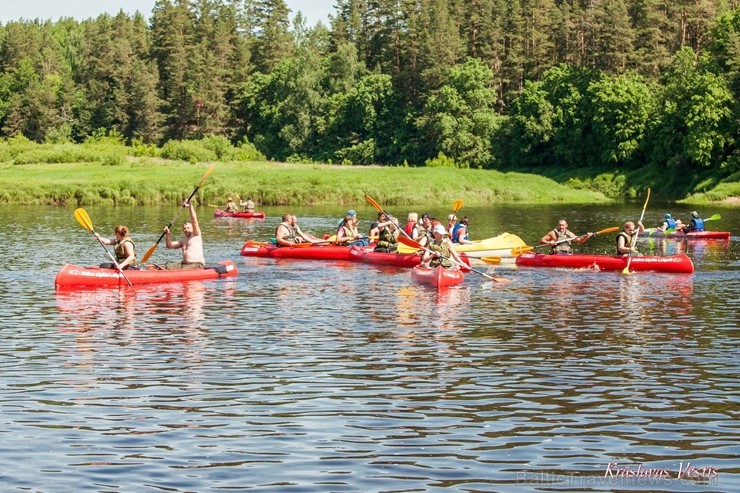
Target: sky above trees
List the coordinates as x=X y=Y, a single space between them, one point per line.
x=313 y=10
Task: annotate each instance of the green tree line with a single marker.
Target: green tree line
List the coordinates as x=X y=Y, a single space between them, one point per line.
x=484 y=84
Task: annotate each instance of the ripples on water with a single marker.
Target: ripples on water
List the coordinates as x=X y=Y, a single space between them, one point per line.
x=311 y=376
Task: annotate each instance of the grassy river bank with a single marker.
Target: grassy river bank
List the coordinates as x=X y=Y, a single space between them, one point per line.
x=151 y=181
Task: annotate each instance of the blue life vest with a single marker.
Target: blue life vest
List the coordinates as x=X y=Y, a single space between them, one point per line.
x=697 y=224
x=671 y=223
x=456 y=229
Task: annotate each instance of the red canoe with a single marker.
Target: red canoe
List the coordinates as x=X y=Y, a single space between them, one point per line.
x=239 y=214
x=671 y=263
x=694 y=235
x=306 y=252
x=438 y=277
x=75 y=276
x=367 y=256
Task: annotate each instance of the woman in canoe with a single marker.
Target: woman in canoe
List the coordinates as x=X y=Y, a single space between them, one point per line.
x=424 y=231
x=627 y=239
x=460 y=231
x=347 y=233
x=440 y=251
x=124 y=248
x=388 y=231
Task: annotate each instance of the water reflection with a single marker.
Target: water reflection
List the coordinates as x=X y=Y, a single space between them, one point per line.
x=329 y=376
x=163 y=318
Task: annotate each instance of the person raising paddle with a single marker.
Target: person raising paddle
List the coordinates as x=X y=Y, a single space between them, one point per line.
x=191 y=244
x=124 y=248
x=561 y=237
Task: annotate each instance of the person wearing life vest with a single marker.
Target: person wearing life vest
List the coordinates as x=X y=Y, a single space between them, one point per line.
x=388 y=232
x=124 y=248
x=440 y=251
x=627 y=239
x=561 y=237
x=424 y=230
x=460 y=231
x=347 y=233
x=411 y=224
x=285 y=234
x=696 y=223
x=230 y=206
x=669 y=224
x=248 y=205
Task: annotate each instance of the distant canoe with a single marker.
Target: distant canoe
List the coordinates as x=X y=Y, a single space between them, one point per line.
x=239 y=214
x=694 y=235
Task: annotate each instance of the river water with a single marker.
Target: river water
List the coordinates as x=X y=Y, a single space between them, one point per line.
x=301 y=376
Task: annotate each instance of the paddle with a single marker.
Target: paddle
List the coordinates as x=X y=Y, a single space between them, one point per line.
x=516 y=251
x=713 y=217
x=84 y=219
x=601 y=232
x=153 y=248
x=418 y=246
x=626 y=269
x=456 y=206
x=491 y=260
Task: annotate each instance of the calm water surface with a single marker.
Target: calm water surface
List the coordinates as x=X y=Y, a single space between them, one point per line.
x=301 y=376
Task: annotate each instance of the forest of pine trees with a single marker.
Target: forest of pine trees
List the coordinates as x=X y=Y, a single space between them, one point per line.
x=467 y=83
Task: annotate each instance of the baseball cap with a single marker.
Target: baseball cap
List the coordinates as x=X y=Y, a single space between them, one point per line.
x=667 y=216
x=439 y=229
x=351 y=212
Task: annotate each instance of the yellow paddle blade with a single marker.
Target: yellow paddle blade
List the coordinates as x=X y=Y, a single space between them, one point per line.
x=206 y=175
x=370 y=201
x=516 y=251
x=607 y=230
x=405 y=249
x=84 y=219
x=457 y=205
x=149 y=253
x=491 y=260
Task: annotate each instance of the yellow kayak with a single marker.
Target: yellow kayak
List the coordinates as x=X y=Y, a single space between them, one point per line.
x=497 y=246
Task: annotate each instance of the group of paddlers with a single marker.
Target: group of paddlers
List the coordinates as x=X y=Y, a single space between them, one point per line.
x=436 y=240
x=231 y=206
x=561 y=238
